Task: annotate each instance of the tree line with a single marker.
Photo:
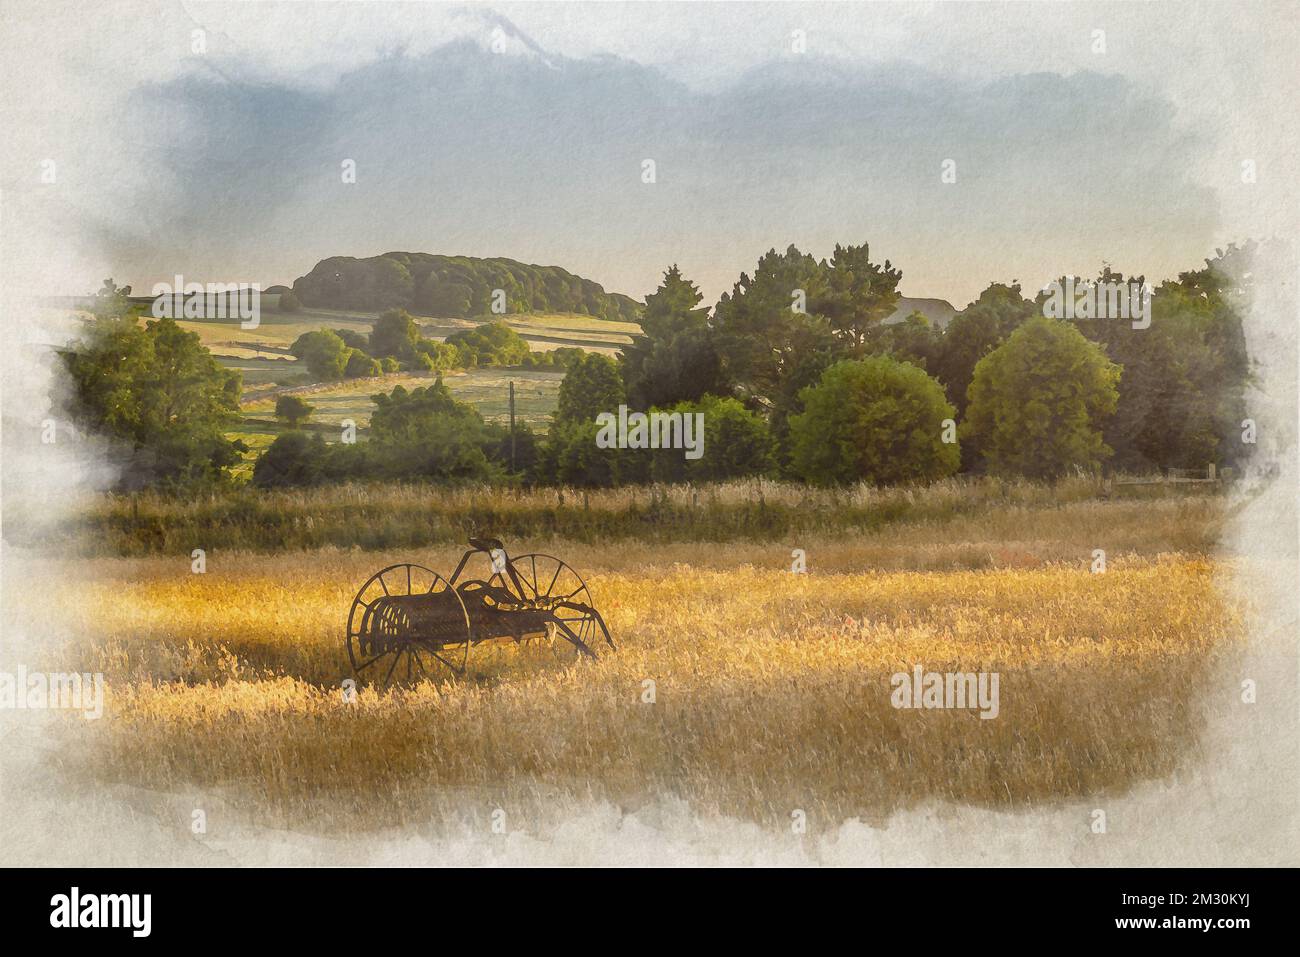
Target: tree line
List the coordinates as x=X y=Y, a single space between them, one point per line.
x=396 y=343
x=796 y=375
x=805 y=381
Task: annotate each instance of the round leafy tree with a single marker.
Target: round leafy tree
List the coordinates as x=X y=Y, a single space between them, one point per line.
x=737 y=443
x=591 y=386
x=324 y=353
x=292 y=409
x=394 y=334
x=1037 y=402
x=876 y=420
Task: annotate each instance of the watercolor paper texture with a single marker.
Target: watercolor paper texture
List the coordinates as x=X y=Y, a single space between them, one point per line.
x=712 y=433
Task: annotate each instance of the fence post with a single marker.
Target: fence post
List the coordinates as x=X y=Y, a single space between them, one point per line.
x=512 y=425
x=1210 y=472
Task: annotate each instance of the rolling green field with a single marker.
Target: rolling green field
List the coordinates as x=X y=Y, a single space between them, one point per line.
x=488 y=390
x=547 y=331
x=277 y=331
x=260 y=374
x=262 y=358
x=537 y=393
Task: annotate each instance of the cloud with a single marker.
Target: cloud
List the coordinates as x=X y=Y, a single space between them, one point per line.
x=462 y=150
x=225 y=165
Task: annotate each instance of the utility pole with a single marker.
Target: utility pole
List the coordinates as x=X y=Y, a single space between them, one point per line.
x=512 y=425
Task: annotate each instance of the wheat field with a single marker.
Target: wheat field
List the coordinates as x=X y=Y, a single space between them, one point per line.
x=771 y=688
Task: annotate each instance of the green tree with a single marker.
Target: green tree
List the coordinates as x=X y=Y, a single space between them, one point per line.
x=391 y=285
x=293 y=459
x=975 y=332
x=491 y=344
x=289 y=302
x=813 y=350
x=876 y=420
x=913 y=340
x=446 y=299
x=1227 y=285
x=858 y=294
x=591 y=386
x=737 y=444
x=436 y=356
x=361 y=366
x=572 y=457
x=755 y=324
x=1039 y=400
x=564 y=356
x=673 y=360
x=1186 y=374
x=527 y=447
x=458 y=286
x=354 y=339
x=292 y=409
x=427 y=433
x=395 y=334
x=323 y=352
x=160 y=398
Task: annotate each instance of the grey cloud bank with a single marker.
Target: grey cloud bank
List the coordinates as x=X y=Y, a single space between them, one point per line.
x=535 y=152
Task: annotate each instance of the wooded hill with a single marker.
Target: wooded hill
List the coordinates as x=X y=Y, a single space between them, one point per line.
x=455 y=287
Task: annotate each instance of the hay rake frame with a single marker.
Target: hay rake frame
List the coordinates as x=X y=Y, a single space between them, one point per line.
x=527 y=599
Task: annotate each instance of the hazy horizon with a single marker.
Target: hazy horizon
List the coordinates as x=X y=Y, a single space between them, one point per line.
x=520 y=131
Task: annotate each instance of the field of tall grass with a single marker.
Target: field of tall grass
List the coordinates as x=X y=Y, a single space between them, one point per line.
x=771 y=688
x=383 y=516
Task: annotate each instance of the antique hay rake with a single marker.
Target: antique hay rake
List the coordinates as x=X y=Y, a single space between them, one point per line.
x=406 y=614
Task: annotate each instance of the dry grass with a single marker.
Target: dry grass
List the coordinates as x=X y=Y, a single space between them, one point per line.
x=773 y=689
x=979 y=515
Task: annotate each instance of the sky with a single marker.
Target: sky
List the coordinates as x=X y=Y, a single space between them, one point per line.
x=522 y=130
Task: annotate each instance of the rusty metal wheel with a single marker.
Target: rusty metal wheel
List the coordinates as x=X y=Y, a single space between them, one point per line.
x=551 y=582
x=406 y=624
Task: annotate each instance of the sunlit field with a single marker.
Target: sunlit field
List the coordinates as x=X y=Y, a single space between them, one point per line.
x=771 y=689
x=332 y=402
x=276 y=331
x=487 y=390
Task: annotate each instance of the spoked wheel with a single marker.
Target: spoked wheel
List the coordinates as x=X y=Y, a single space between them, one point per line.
x=553 y=584
x=407 y=624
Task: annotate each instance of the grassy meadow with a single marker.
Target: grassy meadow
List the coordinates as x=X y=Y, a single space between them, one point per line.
x=261 y=356
x=982 y=519
x=772 y=689
x=547 y=331
x=267 y=345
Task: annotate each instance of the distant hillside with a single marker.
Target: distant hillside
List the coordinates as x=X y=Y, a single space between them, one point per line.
x=455 y=287
x=938 y=311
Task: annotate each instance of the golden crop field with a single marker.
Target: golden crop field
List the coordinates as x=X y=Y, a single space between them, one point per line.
x=771 y=689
